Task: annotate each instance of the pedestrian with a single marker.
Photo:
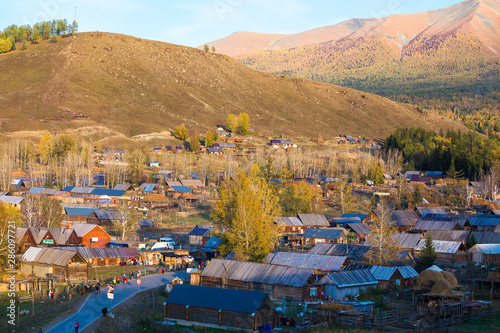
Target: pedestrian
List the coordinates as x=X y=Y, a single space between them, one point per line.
x=104 y=311
x=40 y=330
x=125 y=279
x=118 y=280
x=114 y=280
x=163 y=270
x=96 y=289
x=76 y=326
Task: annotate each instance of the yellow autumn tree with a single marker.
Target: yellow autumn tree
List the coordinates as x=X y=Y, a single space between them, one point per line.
x=244 y=217
x=384 y=250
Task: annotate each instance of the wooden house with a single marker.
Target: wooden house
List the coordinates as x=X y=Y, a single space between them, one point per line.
x=12 y=200
x=485 y=254
x=407 y=242
x=484 y=222
x=394 y=277
x=360 y=229
x=290 y=225
x=447 y=252
x=313 y=221
x=355 y=253
x=104 y=256
x=347 y=283
x=234 y=309
x=146 y=223
x=41 y=261
x=431 y=225
x=91 y=235
x=332 y=235
x=321 y=264
x=404 y=219
x=199 y=236
x=450 y=235
x=77 y=214
x=279 y=282
x=54 y=236
x=24 y=239
x=103 y=217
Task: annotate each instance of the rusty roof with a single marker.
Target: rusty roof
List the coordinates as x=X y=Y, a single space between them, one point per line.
x=307 y=260
x=257 y=273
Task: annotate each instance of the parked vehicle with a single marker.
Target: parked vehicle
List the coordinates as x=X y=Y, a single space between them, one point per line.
x=164 y=243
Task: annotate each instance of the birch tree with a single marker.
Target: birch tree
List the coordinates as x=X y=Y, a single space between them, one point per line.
x=125 y=219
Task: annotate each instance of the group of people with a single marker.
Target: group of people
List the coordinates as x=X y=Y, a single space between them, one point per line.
x=123 y=279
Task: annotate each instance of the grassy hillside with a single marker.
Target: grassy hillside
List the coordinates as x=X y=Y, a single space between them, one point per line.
x=436 y=71
x=130 y=86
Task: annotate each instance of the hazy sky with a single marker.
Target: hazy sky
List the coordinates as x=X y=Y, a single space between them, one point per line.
x=194 y=22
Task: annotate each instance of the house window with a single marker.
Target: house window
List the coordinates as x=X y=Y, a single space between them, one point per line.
x=293 y=228
x=398 y=282
x=312 y=292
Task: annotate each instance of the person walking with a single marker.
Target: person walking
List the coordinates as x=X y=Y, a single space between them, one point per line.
x=163 y=270
x=40 y=330
x=77 y=326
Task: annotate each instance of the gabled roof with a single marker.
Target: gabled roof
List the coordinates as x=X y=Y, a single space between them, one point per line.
x=486 y=237
x=404 y=217
x=104 y=191
x=450 y=235
x=75 y=211
x=359 y=277
x=181 y=189
x=123 y=187
x=361 y=216
x=146 y=223
x=217 y=298
x=407 y=241
x=106 y=215
x=147 y=187
x=257 y=273
x=213 y=243
x=492 y=221
x=325 y=233
x=384 y=273
x=486 y=248
x=50 y=256
x=199 y=232
x=306 y=260
x=82 y=229
x=61 y=235
x=423 y=211
x=11 y=199
x=36 y=190
x=349 y=250
x=436 y=225
x=20 y=232
x=441 y=246
x=289 y=221
x=344 y=220
x=191 y=182
x=359 y=228
x=316 y=220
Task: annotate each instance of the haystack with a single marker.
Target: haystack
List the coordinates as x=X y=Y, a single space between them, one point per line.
x=436 y=283
x=335 y=307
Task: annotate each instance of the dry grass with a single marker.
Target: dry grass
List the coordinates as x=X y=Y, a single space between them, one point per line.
x=131 y=86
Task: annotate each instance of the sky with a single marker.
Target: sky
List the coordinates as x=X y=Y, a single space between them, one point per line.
x=196 y=22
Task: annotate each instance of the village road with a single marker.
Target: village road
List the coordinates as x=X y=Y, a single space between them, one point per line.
x=90 y=310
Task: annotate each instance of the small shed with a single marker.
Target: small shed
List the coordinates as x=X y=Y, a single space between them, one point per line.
x=198 y=236
x=290 y=224
x=485 y=253
x=394 y=277
x=146 y=224
x=347 y=283
x=447 y=252
x=42 y=261
x=236 y=309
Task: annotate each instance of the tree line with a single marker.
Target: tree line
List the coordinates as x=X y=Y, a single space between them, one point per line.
x=34 y=33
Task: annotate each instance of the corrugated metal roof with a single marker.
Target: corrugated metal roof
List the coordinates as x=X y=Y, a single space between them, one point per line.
x=359 y=228
x=199 y=232
x=257 y=273
x=436 y=211
x=450 y=235
x=289 y=221
x=213 y=242
x=82 y=189
x=359 y=277
x=486 y=248
x=70 y=211
x=146 y=223
x=497 y=229
x=36 y=190
x=344 y=220
x=361 y=216
x=384 y=273
x=436 y=225
x=306 y=260
x=404 y=217
x=173 y=183
x=487 y=237
x=440 y=246
x=50 y=256
x=191 y=182
x=108 y=192
x=407 y=272
x=92 y=253
x=106 y=215
x=325 y=233
x=217 y=298
x=181 y=189
x=11 y=199
x=349 y=250
x=318 y=220
x=492 y=221
x=407 y=241
x=82 y=229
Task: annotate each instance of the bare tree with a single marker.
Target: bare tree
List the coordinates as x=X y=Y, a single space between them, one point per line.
x=31 y=212
x=125 y=219
x=491 y=182
x=51 y=212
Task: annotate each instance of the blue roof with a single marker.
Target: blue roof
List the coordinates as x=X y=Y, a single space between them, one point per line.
x=217 y=298
x=213 y=242
x=72 y=211
x=181 y=189
x=361 y=216
x=105 y=191
x=351 y=140
x=36 y=190
x=68 y=188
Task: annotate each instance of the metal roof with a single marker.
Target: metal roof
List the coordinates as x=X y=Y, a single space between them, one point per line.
x=104 y=191
x=191 y=182
x=486 y=237
x=122 y=187
x=173 y=183
x=199 y=232
x=359 y=228
x=82 y=189
x=11 y=199
x=441 y=246
x=82 y=229
x=359 y=277
x=492 y=221
x=349 y=250
x=92 y=253
x=217 y=298
x=181 y=189
x=36 y=190
x=318 y=220
x=289 y=222
x=50 y=256
x=325 y=233
x=436 y=211
x=436 y=225
x=74 y=211
x=486 y=248
x=407 y=241
x=344 y=220
x=384 y=273
x=145 y=223
x=106 y=214
x=404 y=217
x=257 y=273
x=361 y=216
x=306 y=260
x=450 y=235
x=213 y=242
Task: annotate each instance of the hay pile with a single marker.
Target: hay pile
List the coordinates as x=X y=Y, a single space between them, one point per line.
x=436 y=283
x=335 y=307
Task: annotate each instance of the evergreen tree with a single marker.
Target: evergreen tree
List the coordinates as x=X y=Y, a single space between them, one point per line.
x=427 y=254
x=213 y=49
x=417 y=197
x=471 y=241
x=206 y=48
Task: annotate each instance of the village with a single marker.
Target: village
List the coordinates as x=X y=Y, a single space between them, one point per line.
x=117 y=218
